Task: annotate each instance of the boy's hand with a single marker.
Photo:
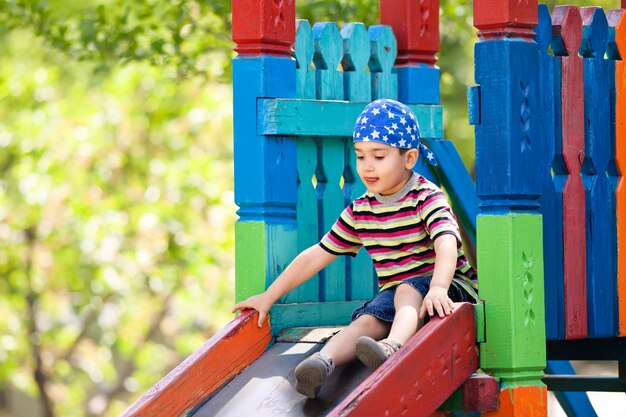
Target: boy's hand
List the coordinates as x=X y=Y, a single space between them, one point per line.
x=260 y=302
x=436 y=300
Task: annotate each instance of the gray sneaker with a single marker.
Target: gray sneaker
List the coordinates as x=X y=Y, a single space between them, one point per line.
x=373 y=353
x=311 y=374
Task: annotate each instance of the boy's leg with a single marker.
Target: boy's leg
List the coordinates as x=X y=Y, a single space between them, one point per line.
x=312 y=372
x=406 y=322
x=341 y=347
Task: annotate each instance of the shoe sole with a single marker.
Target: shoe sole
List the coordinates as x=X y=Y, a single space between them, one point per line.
x=368 y=352
x=309 y=379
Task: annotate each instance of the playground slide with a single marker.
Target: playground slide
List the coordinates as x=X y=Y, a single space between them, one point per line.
x=234 y=374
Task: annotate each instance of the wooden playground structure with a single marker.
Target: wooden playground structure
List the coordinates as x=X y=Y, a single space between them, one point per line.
x=547 y=213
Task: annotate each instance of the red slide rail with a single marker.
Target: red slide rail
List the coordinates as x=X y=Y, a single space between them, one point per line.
x=223 y=356
x=423 y=374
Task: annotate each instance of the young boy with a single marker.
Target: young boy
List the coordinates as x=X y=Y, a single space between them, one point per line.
x=406 y=225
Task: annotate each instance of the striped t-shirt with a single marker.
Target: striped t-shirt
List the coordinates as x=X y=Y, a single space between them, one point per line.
x=398 y=231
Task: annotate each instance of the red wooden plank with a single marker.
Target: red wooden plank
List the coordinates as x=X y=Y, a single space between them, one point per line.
x=481 y=393
x=264 y=26
x=224 y=355
x=567 y=30
x=423 y=374
x=416 y=26
x=617 y=19
x=505 y=18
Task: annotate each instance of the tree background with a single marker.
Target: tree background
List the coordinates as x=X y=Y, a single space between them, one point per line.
x=116 y=199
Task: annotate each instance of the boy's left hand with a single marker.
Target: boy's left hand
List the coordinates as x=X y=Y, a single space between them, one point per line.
x=436 y=300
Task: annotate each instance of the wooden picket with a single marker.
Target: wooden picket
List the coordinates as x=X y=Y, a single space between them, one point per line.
x=570 y=150
x=617 y=23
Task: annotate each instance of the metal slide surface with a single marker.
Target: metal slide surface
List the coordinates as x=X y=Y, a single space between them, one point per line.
x=266 y=388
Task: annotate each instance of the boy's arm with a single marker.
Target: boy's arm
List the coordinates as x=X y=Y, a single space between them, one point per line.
x=308 y=263
x=445 y=265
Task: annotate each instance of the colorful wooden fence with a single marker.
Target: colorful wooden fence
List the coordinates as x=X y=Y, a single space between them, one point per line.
x=582 y=174
x=295 y=168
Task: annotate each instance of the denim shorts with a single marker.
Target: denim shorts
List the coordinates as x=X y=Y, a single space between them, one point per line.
x=381 y=306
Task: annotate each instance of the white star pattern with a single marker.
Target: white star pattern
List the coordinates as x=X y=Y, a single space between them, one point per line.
x=392 y=123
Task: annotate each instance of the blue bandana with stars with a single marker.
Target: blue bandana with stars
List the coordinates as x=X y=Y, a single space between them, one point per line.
x=391 y=123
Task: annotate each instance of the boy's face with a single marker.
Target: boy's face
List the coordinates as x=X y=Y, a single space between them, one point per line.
x=382 y=168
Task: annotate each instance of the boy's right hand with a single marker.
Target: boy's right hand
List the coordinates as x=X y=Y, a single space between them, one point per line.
x=260 y=302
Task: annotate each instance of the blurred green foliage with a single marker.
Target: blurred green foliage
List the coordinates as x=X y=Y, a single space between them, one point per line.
x=116 y=200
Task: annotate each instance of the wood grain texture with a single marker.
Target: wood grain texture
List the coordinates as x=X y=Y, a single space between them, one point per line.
x=618 y=21
x=224 y=355
x=442 y=356
x=524 y=401
x=510 y=261
x=264 y=26
x=551 y=203
x=289 y=117
x=383 y=55
x=497 y=19
x=601 y=286
x=567 y=26
x=416 y=26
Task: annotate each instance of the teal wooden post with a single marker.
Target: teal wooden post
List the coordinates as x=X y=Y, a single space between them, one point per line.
x=509 y=182
x=265 y=173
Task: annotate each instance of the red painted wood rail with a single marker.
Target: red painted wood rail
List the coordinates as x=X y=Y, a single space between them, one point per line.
x=223 y=356
x=423 y=374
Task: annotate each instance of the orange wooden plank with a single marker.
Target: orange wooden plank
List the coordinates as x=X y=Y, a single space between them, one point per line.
x=224 y=355
x=620 y=155
x=421 y=375
x=523 y=401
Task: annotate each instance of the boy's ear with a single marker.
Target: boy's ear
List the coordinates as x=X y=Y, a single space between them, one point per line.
x=411 y=158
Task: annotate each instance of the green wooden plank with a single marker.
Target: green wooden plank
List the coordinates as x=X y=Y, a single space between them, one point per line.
x=312 y=314
x=511 y=285
x=479 y=312
x=298 y=117
x=250 y=260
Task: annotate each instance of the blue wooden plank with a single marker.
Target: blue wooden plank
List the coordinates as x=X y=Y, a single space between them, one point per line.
x=614 y=175
x=508 y=176
x=550 y=201
x=601 y=287
x=260 y=161
x=288 y=117
x=575 y=404
x=418 y=84
x=473 y=104
x=458 y=183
